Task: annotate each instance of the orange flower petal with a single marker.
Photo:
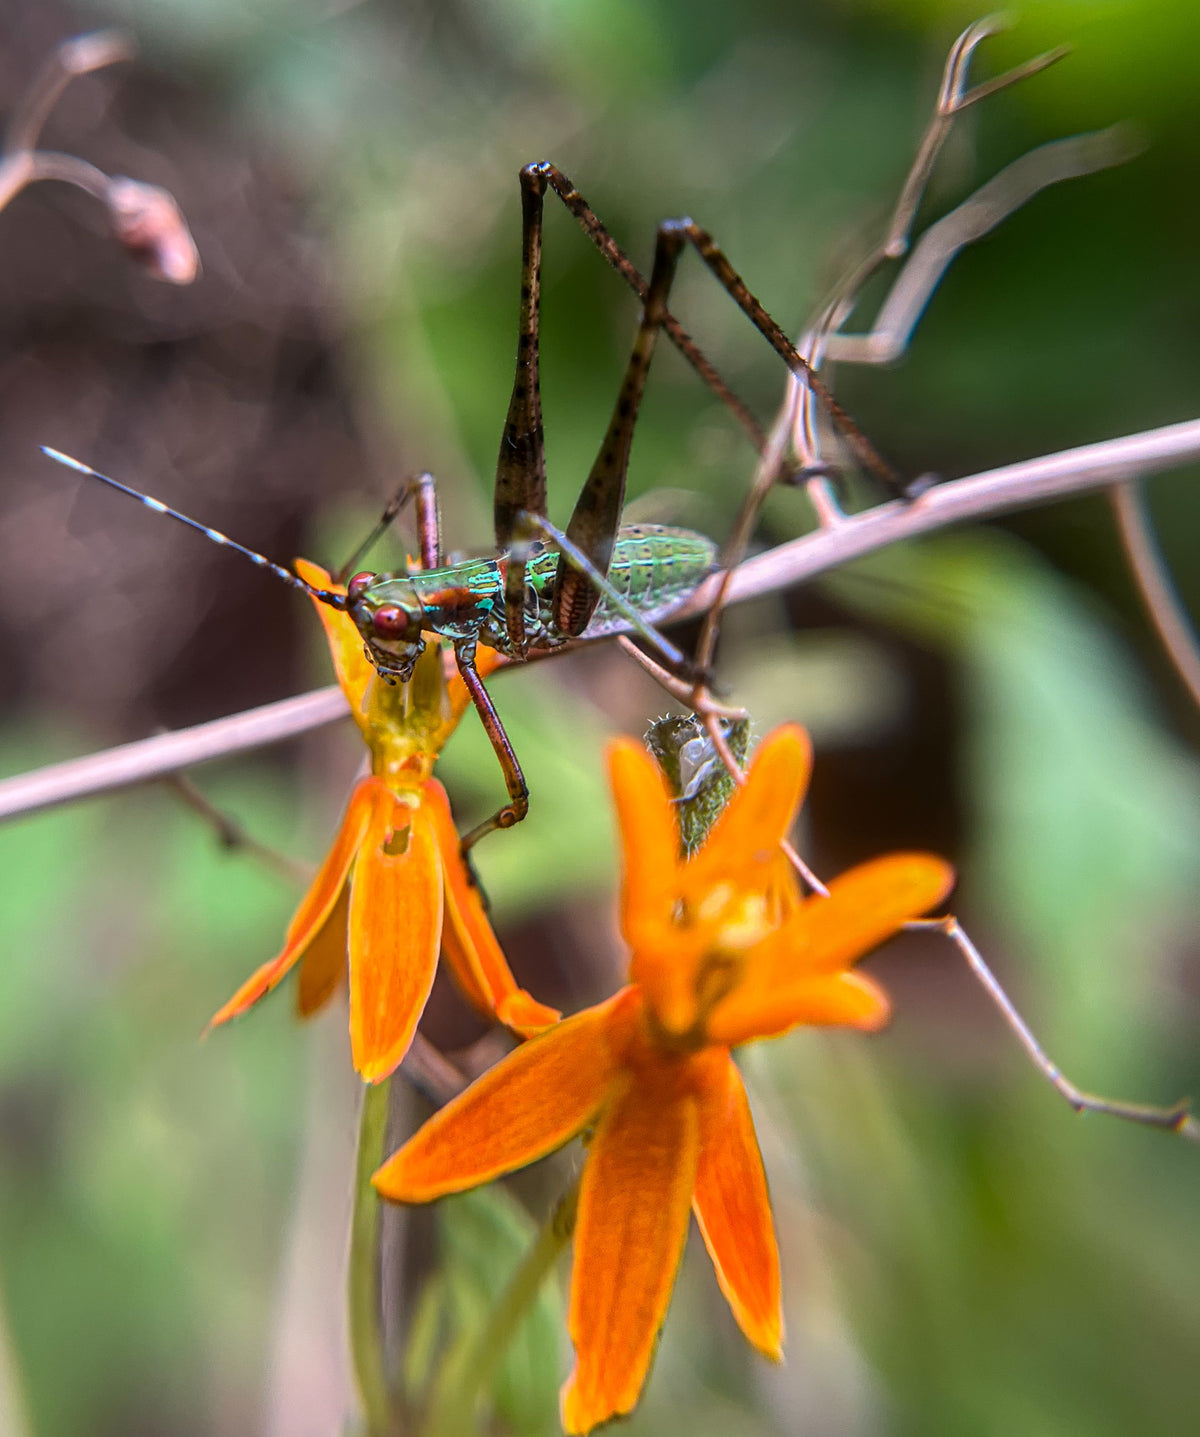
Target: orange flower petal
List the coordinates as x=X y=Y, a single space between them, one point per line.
x=760 y=814
x=629 y=1236
x=316 y=905
x=530 y=1103
x=788 y=979
x=865 y=906
x=395 y=931
x=468 y=943
x=323 y=966
x=649 y=837
x=843 y=999
x=522 y=1012
x=734 y=1213
x=350 y=663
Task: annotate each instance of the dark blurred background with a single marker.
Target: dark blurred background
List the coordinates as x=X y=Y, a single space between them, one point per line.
x=961 y=1254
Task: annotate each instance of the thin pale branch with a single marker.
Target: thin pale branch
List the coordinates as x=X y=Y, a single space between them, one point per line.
x=152 y=758
x=978 y=215
x=997 y=491
x=1145 y=561
x=1177 y=1118
x=980 y=496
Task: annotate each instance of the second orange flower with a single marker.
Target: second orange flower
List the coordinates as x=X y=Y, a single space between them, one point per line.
x=393 y=888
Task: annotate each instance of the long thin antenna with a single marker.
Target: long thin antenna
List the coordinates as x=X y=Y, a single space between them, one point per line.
x=326 y=596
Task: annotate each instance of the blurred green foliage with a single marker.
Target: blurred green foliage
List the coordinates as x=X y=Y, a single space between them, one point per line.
x=961 y=1256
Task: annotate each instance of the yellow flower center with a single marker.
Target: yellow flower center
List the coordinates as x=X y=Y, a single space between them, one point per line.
x=704 y=957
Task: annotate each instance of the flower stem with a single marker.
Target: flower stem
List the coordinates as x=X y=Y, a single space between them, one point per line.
x=366 y=1327
x=452 y=1412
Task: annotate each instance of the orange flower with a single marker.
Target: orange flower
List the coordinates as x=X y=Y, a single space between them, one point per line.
x=393 y=888
x=725 y=949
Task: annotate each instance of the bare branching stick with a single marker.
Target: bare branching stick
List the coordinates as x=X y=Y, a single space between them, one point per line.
x=234 y=836
x=979 y=213
x=993 y=202
x=1154 y=582
x=997 y=491
x=953 y=97
x=1177 y=1118
x=910 y=293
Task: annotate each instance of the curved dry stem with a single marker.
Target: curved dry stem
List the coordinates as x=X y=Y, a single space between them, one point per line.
x=73 y=58
x=980 y=496
x=1150 y=573
x=981 y=212
x=953 y=97
x=233 y=835
x=145 y=219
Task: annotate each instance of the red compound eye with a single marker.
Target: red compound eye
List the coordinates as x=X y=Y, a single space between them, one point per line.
x=359 y=585
x=390 y=622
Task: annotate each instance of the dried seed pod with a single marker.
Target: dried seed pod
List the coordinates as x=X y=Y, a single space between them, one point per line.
x=149 y=223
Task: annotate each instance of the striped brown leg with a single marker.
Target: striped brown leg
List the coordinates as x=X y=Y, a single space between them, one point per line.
x=731 y=281
x=518 y=790
x=521 y=465
x=597 y=513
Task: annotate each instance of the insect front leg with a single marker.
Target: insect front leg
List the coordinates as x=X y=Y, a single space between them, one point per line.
x=422 y=489
x=518 y=790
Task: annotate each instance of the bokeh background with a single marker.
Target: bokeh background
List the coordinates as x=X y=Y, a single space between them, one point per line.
x=961 y=1254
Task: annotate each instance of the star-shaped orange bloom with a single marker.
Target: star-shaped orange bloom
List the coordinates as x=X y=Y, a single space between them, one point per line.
x=393 y=889
x=725 y=949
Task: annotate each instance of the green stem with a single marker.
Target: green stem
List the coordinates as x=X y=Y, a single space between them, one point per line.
x=366 y=1327
x=453 y=1411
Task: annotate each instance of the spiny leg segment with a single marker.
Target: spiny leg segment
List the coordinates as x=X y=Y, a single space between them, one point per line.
x=545 y=174
x=520 y=470
x=520 y=492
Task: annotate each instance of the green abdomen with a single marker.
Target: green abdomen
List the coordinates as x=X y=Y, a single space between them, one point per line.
x=653 y=567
